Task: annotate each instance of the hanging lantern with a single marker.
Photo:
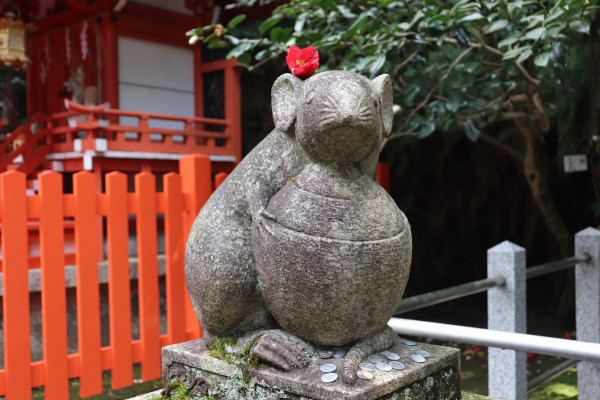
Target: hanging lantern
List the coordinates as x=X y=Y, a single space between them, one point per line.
x=13 y=41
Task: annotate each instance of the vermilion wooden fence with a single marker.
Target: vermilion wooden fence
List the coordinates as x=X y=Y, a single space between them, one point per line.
x=183 y=195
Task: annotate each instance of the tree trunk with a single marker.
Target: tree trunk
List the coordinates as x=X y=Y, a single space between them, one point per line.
x=536 y=177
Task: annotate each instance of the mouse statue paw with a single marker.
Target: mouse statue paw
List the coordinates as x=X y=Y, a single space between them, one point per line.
x=361 y=350
x=278 y=348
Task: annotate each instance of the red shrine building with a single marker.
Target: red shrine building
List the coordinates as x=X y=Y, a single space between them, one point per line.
x=114 y=85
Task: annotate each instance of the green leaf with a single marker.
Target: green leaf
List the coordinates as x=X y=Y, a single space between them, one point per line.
x=536 y=33
x=269 y=23
x=232 y=39
x=362 y=63
x=356 y=25
x=497 y=25
x=462 y=36
x=244 y=59
x=515 y=52
x=534 y=20
x=377 y=65
x=524 y=55
x=580 y=26
x=261 y=54
x=407 y=25
x=238 y=50
x=299 y=25
x=541 y=60
x=471 y=130
x=555 y=14
x=236 y=21
x=555 y=30
x=275 y=34
x=558 y=53
x=471 y=17
x=426 y=130
x=508 y=41
x=453 y=102
x=285 y=35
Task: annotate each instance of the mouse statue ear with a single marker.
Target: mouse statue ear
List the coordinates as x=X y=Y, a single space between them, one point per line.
x=383 y=87
x=285 y=95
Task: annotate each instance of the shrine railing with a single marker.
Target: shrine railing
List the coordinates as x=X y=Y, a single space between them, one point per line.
x=102 y=129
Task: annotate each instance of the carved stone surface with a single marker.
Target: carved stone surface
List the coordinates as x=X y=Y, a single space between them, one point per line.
x=437 y=378
x=300 y=236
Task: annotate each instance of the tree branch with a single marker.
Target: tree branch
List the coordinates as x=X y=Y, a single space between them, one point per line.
x=519 y=67
x=405 y=62
x=423 y=103
x=272 y=56
x=501 y=145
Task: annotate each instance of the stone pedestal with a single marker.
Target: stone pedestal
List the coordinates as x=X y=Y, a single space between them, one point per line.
x=201 y=374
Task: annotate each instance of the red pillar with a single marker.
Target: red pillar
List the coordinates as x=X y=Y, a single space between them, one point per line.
x=110 y=62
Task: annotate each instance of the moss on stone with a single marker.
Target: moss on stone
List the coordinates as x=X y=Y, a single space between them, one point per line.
x=223 y=350
x=178 y=391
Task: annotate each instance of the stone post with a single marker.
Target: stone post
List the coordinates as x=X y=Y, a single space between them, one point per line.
x=507 y=369
x=587 y=286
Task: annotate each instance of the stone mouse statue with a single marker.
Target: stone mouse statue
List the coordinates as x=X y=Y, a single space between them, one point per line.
x=300 y=247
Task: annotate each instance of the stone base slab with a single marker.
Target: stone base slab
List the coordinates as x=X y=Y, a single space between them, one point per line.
x=201 y=374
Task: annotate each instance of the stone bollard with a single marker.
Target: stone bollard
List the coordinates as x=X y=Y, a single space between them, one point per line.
x=507 y=369
x=587 y=286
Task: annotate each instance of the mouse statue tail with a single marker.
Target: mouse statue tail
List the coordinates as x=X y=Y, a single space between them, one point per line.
x=369 y=345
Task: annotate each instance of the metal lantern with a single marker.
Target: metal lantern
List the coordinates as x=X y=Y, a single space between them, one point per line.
x=13 y=41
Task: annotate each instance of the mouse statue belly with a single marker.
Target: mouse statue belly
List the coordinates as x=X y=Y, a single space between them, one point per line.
x=332 y=253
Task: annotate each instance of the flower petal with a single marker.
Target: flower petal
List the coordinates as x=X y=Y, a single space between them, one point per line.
x=292 y=55
x=309 y=53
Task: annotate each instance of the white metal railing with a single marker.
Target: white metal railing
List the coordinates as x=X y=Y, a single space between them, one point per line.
x=507 y=363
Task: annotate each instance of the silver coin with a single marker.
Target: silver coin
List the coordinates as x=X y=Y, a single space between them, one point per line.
x=366 y=367
x=339 y=353
x=417 y=358
x=328 y=368
x=366 y=375
x=326 y=354
x=391 y=356
x=423 y=353
x=375 y=359
x=397 y=365
x=383 y=367
x=331 y=377
x=408 y=342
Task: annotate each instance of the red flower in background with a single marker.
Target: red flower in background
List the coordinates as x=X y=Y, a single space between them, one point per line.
x=302 y=62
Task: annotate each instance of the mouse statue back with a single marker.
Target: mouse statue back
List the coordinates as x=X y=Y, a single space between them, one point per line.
x=300 y=248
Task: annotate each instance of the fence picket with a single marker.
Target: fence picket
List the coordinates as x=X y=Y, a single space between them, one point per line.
x=119 y=297
x=220 y=178
x=54 y=304
x=88 y=295
x=145 y=191
x=174 y=251
x=17 y=352
x=196 y=182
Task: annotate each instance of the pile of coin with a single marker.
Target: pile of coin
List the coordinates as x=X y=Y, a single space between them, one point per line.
x=375 y=362
x=329 y=369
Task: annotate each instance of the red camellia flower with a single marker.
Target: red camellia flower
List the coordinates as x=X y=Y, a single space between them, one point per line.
x=302 y=62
